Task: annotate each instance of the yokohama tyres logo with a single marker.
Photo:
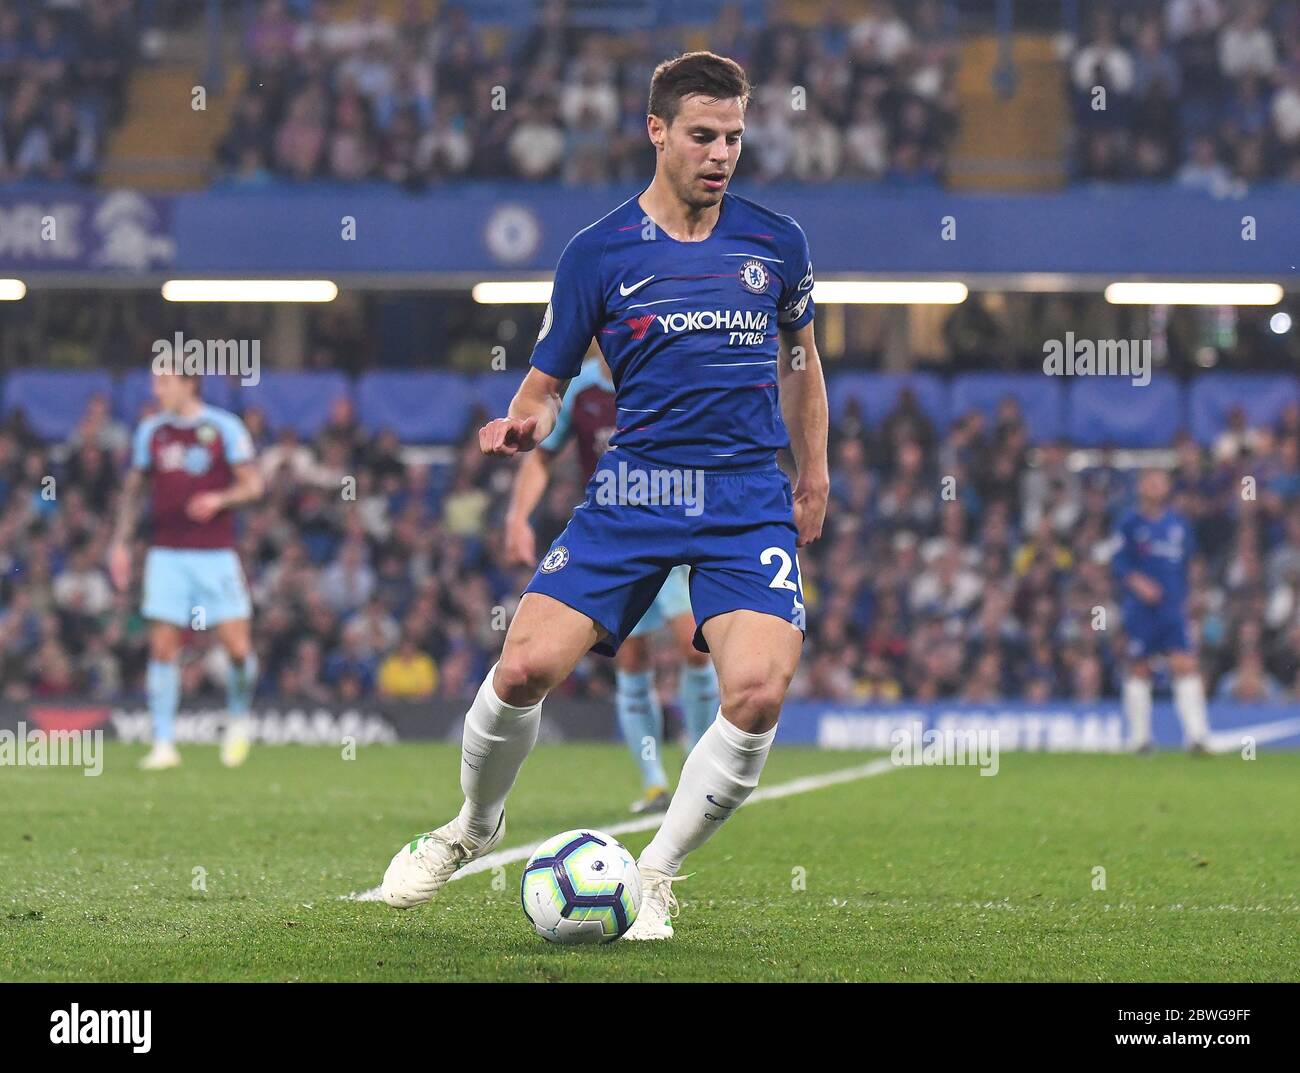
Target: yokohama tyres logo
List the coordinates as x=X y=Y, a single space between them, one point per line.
x=640 y=325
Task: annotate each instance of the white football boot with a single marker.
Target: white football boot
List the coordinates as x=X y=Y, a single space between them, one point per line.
x=164 y=754
x=422 y=867
x=654 y=920
x=235 y=743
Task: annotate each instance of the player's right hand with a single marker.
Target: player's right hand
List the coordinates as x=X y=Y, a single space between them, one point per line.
x=506 y=436
x=521 y=544
x=119 y=566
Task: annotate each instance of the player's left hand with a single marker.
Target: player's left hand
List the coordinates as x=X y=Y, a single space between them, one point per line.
x=810 y=509
x=205 y=506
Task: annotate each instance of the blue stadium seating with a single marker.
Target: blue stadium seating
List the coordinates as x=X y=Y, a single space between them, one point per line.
x=877 y=394
x=438 y=406
x=54 y=401
x=493 y=391
x=1042 y=400
x=1112 y=411
x=133 y=391
x=1261 y=396
x=426 y=407
x=299 y=400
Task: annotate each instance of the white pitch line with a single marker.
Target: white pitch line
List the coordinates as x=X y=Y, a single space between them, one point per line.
x=648 y=823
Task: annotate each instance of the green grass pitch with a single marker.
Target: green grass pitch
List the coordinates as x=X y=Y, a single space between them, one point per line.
x=917 y=874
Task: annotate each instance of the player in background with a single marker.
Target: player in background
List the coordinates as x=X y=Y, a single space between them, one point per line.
x=701 y=302
x=1153 y=547
x=588 y=417
x=198 y=462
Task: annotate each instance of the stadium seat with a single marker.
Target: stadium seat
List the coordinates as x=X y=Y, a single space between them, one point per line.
x=1110 y=411
x=299 y=400
x=877 y=394
x=1042 y=401
x=133 y=390
x=1262 y=397
x=54 y=401
x=427 y=407
x=493 y=391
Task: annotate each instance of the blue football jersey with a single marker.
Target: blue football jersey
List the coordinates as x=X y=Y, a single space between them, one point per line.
x=689 y=329
x=1160 y=549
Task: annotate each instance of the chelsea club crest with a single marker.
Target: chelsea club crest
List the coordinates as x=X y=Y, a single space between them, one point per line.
x=753 y=274
x=556 y=559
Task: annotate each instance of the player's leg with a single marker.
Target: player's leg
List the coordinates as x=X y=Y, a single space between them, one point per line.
x=1189 y=700
x=641 y=718
x=1140 y=628
x=218 y=579
x=1137 y=704
x=545 y=641
x=756 y=656
x=241 y=680
x=698 y=682
x=163 y=687
x=590 y=590
x=640 y=714
x=745 y=593
x=167 y=605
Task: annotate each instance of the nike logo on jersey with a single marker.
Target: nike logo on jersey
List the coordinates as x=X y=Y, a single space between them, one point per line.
x=625 y=290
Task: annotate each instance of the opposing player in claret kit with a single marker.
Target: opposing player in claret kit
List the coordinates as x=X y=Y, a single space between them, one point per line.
x=198 y=463
x=701 y=302
x=587 y=418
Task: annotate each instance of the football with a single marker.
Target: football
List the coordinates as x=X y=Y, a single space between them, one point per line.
x=581 y=887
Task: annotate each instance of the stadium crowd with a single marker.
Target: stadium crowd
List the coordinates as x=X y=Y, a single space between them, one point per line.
x=64 y=69
x=375 y=573
x=416 y=101
x=1205 y=93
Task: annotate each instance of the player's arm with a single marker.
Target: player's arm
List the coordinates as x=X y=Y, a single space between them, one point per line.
x=806 y=414
x=531 y=479
x=128 y=508
x=247 y=487
x=572 y=318
x=1124 y=568
x=531 y=417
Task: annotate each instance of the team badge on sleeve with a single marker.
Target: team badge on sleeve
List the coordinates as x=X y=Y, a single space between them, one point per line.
x=753 y=274
x=556 y=559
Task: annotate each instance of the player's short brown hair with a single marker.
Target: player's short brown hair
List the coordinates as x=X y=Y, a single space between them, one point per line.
x=705 y=73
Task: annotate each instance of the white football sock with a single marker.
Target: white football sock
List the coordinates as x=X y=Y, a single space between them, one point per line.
x=720 y=773
x=1137 y=708
x=1189 y=700
x=498 y=738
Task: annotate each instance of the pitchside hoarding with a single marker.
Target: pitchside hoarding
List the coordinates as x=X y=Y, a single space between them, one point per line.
x=512 y=227
x=1019 y=727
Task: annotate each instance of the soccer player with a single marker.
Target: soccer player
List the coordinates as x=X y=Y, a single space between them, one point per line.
x=700 y=301
x=198 y=460
x=1153 y=546
x=588 y=417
